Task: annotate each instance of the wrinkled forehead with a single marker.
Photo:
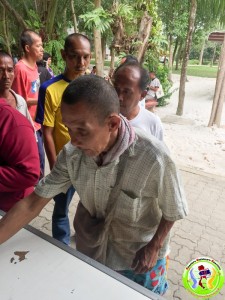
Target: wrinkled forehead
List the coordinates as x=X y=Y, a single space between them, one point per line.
x=6 y=60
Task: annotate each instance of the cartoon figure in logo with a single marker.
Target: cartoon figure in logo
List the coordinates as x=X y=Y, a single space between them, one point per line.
x=204 y=273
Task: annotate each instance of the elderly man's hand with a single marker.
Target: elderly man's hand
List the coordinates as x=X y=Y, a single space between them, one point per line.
x=145 y=258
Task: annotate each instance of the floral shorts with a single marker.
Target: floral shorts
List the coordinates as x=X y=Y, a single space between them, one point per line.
x=154 y=280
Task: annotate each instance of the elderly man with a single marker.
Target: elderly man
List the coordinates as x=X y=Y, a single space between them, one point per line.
x=130 y=195
x=130 y=81
x=6 y=80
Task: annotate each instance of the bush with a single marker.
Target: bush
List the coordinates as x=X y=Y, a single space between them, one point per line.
x=162 y=74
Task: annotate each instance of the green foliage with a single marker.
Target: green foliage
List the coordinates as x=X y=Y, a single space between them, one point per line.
x=162 y=74
x=54 y=49
x=34 y=21
x=125 y=11
x=98 y=18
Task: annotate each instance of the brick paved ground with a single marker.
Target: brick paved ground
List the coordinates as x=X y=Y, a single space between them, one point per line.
x=202 y=233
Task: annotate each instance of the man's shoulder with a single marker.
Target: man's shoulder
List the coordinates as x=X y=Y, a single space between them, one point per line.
x=156 y=81
x=20 y=68
x=20 y=100
x=149 y=116
x=57 y=83
x=11 y=117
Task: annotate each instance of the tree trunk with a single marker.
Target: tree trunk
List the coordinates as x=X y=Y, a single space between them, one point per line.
x=192 y=15
x=213 y=57
x=118 y=36
x=220 y=105
x=74 y=16
x=143 y=36
x=64 y=19
x=170 y=57
x=178 y=55
x=103 y=47
x=52 y=8
x=219 y=93
x=12 y=11
x=98 y=47
x=175 y=50
x=4 y=29
x=112 y=62
x=201 y=53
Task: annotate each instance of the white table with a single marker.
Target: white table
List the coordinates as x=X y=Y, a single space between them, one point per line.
x=53 y=271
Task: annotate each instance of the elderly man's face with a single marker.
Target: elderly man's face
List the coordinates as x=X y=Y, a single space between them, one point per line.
x=6 y=73
x=35 y=50
x=85 y=130
x=126 y=83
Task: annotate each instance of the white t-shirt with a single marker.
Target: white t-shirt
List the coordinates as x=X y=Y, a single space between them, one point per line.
x=154 y=83
x=142 y=103
x=149 y=122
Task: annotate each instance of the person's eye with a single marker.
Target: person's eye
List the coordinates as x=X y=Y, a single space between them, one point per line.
x=82 y=133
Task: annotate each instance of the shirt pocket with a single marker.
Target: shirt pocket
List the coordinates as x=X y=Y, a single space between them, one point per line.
x=127 y=208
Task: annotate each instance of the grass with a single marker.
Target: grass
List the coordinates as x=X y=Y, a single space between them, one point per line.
x=193 y=70
x=200 y=71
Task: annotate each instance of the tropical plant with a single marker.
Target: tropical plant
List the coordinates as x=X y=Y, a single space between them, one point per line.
x=98 y=18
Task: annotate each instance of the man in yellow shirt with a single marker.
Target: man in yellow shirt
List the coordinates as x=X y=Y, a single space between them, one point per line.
x=77 y=55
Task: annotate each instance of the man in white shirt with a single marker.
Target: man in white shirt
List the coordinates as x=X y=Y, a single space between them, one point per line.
x=154 y=86
x=130 y=82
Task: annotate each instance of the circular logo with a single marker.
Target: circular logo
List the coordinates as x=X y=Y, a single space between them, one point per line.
x=203 y=278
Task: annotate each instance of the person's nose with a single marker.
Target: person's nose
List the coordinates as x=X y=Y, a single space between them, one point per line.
x=5 y=74
x=81 y=61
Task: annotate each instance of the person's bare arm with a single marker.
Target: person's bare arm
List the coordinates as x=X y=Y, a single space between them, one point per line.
x=21 y=214
x=49 y=145
x=146 y=257
x=154 y=88
x=31 y=102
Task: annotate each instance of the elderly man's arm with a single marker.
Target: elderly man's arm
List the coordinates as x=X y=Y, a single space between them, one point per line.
x=173 y=205
x=21 y=214
x=147 y=256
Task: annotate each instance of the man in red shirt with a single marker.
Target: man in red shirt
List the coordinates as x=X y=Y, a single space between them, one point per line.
x=19 y=161
x=26 y=81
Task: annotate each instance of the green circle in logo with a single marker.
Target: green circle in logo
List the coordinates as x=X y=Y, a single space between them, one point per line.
x=203 y=277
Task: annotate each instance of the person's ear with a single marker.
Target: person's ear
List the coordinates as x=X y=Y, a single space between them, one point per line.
x=114 y=122
x=63 y=54
x=143 y=94
x=27 y=48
